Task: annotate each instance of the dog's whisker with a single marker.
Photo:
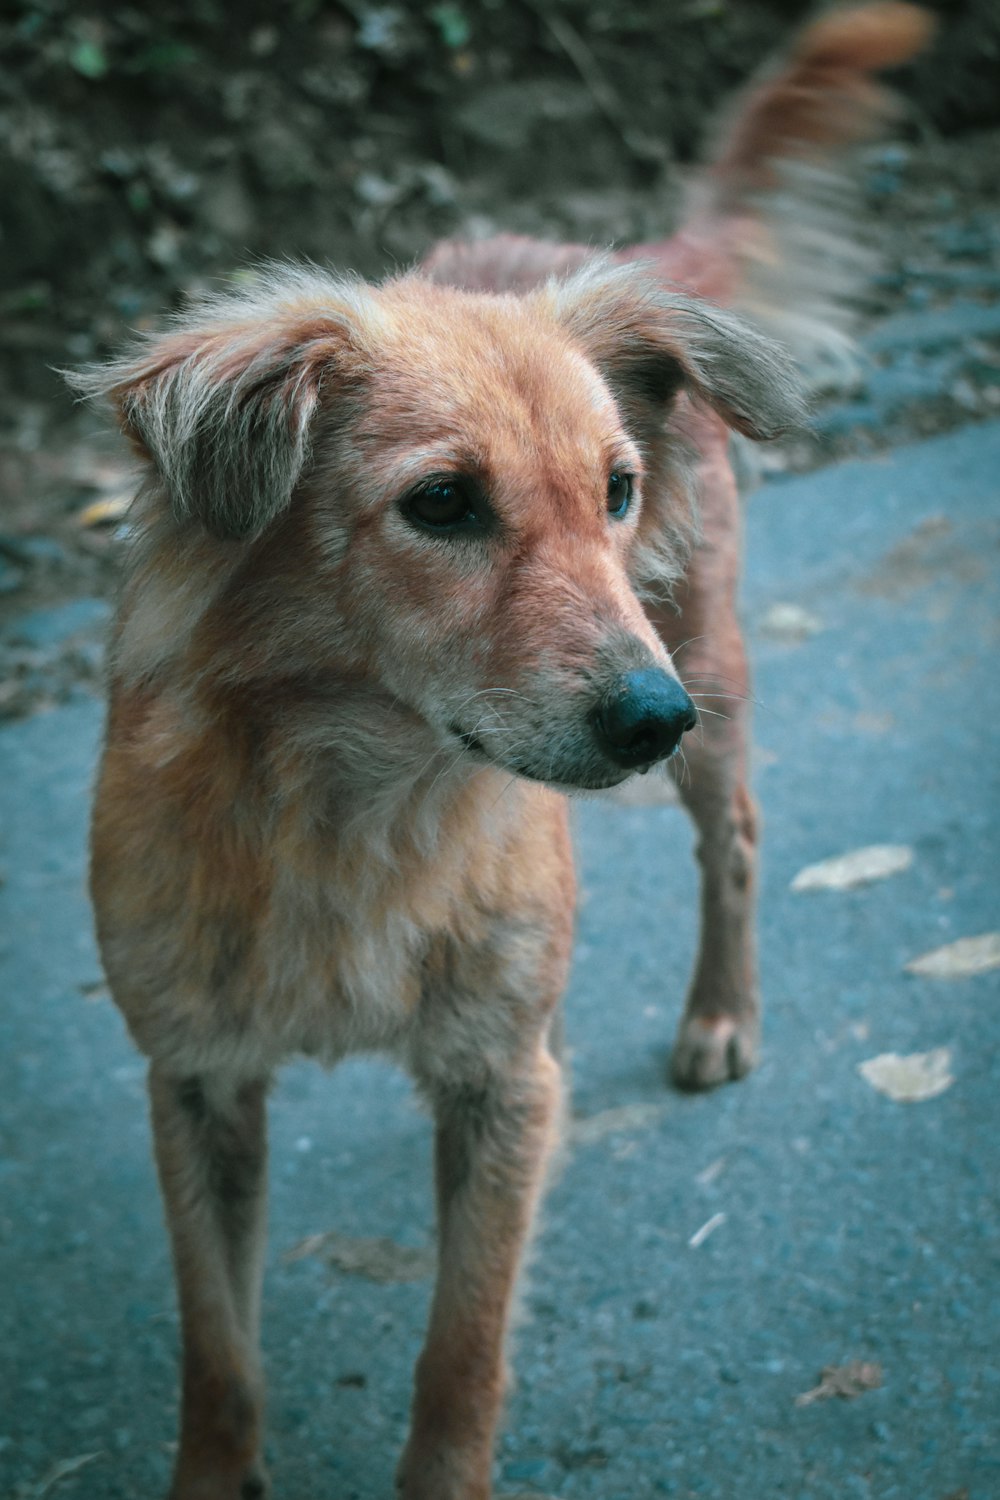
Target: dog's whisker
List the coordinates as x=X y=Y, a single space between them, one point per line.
x=437 y=751
x=713 y=692
x=502 y=792
x=691 y=641
x=497 y=692
x=716 y=692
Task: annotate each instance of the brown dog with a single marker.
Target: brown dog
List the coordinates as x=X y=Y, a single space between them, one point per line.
x=382 y=608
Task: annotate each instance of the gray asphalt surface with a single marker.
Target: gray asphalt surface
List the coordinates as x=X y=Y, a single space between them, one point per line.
x=855 y=1227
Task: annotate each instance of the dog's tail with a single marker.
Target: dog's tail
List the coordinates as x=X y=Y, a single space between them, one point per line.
x=771 y=227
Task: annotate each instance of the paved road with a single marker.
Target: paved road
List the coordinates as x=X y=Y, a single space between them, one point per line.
x=854 y=1228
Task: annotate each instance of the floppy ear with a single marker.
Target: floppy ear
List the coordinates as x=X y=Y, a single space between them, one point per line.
x=222 y=405
x=648 y=343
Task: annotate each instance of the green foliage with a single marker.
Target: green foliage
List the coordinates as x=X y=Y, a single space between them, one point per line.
x=452 y=24
x=33 y=297
x=140 y=200
x=164 y=56
x=89 y=59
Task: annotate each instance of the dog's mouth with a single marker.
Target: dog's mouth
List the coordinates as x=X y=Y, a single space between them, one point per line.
x=627 y=723
x=591 y=783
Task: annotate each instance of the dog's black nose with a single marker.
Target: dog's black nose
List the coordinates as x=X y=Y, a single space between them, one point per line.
x=642 y=719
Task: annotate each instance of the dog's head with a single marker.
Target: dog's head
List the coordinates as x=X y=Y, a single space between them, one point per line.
x=439 y=496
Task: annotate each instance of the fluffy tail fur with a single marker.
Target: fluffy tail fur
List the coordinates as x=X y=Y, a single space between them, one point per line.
x=770 y=227
x=772 y=222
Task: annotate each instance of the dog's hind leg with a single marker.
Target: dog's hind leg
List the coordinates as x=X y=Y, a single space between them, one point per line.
x=210 y=1139
x=493 y=1139
x=718 y=1034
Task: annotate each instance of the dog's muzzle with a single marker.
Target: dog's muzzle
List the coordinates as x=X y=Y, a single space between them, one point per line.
x=643 y=717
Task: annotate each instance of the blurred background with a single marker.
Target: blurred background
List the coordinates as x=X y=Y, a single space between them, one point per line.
x=149 y=147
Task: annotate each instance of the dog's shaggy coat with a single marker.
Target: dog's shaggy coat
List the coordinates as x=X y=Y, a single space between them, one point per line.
x=384 y=602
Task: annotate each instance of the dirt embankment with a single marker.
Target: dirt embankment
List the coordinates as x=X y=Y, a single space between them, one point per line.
x=151 y=148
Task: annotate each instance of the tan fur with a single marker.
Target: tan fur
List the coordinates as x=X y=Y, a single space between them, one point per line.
x=325 y=818
x=330 y=815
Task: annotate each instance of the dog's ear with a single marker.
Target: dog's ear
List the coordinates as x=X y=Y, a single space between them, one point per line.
x=648 y=343
x=222 y=404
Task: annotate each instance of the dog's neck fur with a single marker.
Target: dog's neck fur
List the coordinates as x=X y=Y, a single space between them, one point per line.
x=327 y=752
x=338 y=761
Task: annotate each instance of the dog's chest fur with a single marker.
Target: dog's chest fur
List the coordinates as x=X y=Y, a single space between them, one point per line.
x=259 y=927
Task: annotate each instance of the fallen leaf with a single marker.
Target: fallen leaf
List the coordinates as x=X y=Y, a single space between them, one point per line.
x=611 y=1121
x=959 y=960
x=381 y=1260
x=844 y=871
x=846 y=1381
x=311 y=1245
x=908 y=1080
x=58 y=1472
x=711 y=1172
x=701 y=1235
x=789 y=622
x=868 y=722
x=105 y=512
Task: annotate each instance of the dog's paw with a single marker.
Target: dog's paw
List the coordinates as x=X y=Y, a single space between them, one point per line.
x=438 y=1473
x=708 y=1052
x=255 y=1486
x=252 y=1484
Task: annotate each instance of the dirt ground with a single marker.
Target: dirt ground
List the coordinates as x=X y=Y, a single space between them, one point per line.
x=148 y=157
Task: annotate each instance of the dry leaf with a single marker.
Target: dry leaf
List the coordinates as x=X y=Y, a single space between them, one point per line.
x=959 y=960
x=846 y=1381
x=311 y=1245
x=875 y=862
x=381 y=1260
x=789 y=622
x=612 y=1121
x=106 y=511
x=58 y=1472
x=712 y=1171
x=701 y=1235
x=908 y=1080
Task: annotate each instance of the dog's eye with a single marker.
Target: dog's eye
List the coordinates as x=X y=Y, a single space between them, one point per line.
x=619 y=493
x=442 y=505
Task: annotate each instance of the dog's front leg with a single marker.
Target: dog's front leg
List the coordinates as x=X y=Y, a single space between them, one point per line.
x=494 y=1137
x=210 y=1138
